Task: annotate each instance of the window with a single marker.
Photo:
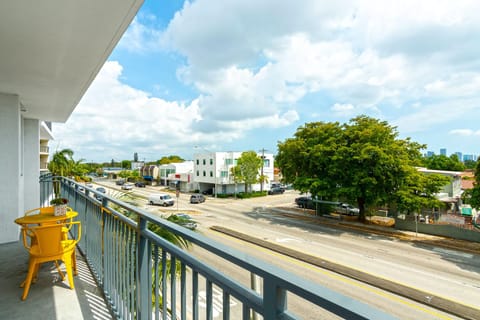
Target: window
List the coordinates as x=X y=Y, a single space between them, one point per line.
x=204 y=162
x=198 y=162
x=266 y=162
x=211 y=173
x=224 y=174
x=211 y=161
x=204 y=173
x=198 y=173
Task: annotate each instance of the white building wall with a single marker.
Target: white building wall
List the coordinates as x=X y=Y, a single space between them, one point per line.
x=31 y=163
x=214 y=168
x=11 y=191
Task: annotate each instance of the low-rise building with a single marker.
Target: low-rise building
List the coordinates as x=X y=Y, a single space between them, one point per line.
x=213 y=172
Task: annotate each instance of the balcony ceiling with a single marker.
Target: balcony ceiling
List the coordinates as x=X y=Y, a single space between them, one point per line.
x=51 y=50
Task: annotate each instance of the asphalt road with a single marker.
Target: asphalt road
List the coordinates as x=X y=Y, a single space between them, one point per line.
x=449 y=274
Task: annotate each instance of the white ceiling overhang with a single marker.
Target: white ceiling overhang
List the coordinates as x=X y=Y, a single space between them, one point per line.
x=51 y=50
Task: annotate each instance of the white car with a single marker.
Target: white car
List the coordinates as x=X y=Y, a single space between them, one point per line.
x=127 y=186
x=161 y=199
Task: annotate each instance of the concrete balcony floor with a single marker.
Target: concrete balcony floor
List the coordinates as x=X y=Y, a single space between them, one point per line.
x=50 y=297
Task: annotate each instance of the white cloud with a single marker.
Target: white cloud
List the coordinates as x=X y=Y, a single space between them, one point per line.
x=465 y=132
x=113 y=116
x=344 y=110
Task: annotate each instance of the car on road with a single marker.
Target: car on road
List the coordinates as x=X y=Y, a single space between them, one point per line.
x=197 y=198
x=208 y=191
x=127 y=186
x=139 y=184
x=276 y=190
x=305 y=202
x=161 y=199
x=185 y=220
x=89 y=185
x=348 y=209
x=120 y=182
x=101 y=190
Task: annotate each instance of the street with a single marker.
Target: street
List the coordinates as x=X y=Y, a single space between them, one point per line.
x=450 y=274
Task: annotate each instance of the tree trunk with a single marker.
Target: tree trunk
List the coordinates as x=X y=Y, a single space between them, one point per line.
x=361 y=207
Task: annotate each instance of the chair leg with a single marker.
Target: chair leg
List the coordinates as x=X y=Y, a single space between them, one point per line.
x=59 y=271
x=74 y=263
x=68 y=266
x=32 y=265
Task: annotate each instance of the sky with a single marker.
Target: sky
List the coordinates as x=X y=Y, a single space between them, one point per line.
x=239 y=75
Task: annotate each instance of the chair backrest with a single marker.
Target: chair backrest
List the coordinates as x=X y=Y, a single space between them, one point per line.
x=48 y=239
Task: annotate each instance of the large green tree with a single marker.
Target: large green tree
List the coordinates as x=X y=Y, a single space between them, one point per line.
x=362 y=162
x=246 y=170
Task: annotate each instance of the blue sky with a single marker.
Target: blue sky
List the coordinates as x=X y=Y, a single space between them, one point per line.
x=243 y=75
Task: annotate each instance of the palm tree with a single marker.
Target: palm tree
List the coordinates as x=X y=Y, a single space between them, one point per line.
x=62 y=163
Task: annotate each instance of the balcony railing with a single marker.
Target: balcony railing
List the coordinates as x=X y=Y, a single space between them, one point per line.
x=144 y=276
x=44 y=149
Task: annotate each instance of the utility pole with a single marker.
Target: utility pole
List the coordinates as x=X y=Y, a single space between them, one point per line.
x=261 y=174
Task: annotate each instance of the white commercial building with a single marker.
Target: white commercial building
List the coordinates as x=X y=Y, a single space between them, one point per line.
x=180 y=173
x=213 y=171
x=50 y=53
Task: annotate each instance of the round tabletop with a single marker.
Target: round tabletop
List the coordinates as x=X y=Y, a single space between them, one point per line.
x=45 y=218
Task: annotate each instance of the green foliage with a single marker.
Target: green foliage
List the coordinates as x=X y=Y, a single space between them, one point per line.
x=254 y=194
x=475 y=192
x=361 y=162
x=469 y=164
x=126 y=164
x=170 y=159
x=61 y=163
x=441 y=162
x=247 y=168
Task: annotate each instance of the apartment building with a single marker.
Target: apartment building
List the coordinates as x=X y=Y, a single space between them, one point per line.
x=212 y=171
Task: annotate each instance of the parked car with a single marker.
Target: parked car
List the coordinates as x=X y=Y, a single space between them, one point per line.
x=127 y=186
x=305 y=202
x=140 y=184
x=120 y=182
x=197 y=198
x=161 y=199
x=208 y=191
x=89 y=185
x=276 y=190
x=101 y=190
x=185 y=220
x=346 y=208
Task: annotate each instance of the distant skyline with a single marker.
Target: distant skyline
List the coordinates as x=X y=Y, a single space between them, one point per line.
x=243 y=75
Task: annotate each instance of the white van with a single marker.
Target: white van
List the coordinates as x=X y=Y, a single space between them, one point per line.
x=161 y=199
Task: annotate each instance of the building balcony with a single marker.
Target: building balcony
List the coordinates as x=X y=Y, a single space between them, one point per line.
x=144 y=276
x=44 y=149
x=49 y=297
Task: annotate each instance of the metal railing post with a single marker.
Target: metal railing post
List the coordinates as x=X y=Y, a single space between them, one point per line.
x=143 y=272
x=274 y=299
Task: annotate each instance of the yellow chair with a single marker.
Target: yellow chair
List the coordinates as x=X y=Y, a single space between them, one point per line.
x=49 y=246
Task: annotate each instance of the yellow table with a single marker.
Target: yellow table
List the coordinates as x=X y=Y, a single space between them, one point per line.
x=45 y=218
